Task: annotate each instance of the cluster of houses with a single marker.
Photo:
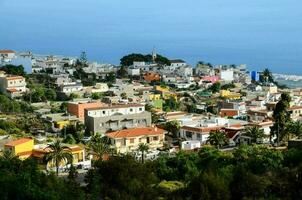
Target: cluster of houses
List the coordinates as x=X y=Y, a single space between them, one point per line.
x=121 y=115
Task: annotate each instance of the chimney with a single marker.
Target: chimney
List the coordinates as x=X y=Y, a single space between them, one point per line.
x=155 y=128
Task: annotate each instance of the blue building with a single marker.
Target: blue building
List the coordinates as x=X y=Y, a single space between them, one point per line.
x=254 y=75
x=26 y=61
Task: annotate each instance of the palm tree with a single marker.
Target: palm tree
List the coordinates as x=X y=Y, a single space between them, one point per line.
x=143 y=148
x=295 y=128
x=267 y=75
x=255 y=133
x=217 y=138
x=8 y=155
x=58 y=153
x=99 y=146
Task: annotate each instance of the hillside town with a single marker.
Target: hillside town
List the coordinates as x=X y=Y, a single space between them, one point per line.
x=149 y=106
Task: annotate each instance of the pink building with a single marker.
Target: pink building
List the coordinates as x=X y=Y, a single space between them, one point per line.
x=212 y=79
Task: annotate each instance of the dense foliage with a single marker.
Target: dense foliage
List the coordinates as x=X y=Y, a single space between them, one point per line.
x=249 y=172
x=23 y=180
x=8 y=105
x=134 y=57
x=14 y=70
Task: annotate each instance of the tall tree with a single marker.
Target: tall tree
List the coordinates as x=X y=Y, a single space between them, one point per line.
x=58 y=154
x=255 y=133
x=99 y=146
x=217 y=138
x=281 y=117
x=173 y=127
x=143 y=148
x=266 y=76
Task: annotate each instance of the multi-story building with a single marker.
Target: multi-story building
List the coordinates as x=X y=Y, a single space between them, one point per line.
x=116 y=117
x=13 y=86
x=77 y=107
x=128 y=140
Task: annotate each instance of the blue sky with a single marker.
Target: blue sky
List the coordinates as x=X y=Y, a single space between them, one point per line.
x=260 y=33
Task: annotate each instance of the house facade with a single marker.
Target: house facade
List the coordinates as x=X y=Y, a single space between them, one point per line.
x=25 y=148
x=128 y=140
x=13 y=86
x=116 y=117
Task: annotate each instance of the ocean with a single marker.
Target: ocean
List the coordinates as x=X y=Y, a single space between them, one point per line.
x=259 y=33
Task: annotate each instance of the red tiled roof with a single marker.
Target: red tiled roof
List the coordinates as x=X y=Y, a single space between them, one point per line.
x=14 y=77
x=11 y=90
x=6 y=51
x=17 y=142
x=135 y=132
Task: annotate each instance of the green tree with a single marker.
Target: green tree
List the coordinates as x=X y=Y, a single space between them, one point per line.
x=172 y=127
x=154 y=116
x=111 y=78
x=97 y=95
x=171 y=104
x=58 y=154
x=215 y=88
x=266 y=76
x=255 y=133
x=295 y=128
x=122 y=72
x=281 y=117
x=50 y=94
x=217 y=138
x=100 y=146
x=14 y=70
x=69 y=139
x=143 y=148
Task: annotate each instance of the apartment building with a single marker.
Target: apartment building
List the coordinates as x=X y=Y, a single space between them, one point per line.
x=116 y=117
x=13 y=86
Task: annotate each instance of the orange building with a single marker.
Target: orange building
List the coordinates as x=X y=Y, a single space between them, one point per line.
x=229 y=112
x=77 y=108
x=152 y=76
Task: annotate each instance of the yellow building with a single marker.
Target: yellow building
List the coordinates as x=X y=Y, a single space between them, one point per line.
x=61 y=124
x=21 y=148
x=229 y=95
x=25 y=148
x=162 y=89
x=128 y=140
x=165 y=92
x=153 y=97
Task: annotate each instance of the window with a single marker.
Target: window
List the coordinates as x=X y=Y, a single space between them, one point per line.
x=198 y=135
x=104 y=111
x=131 y=110
x=155 y=138
x=140 y=109
x=132 y=140
x=188 y=134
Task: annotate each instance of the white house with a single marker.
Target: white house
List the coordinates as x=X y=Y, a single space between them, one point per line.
x=190 y=145
x=178 y=63
x=7 y=55
x=133 y=71
x=13 y=86
x=227 y=75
